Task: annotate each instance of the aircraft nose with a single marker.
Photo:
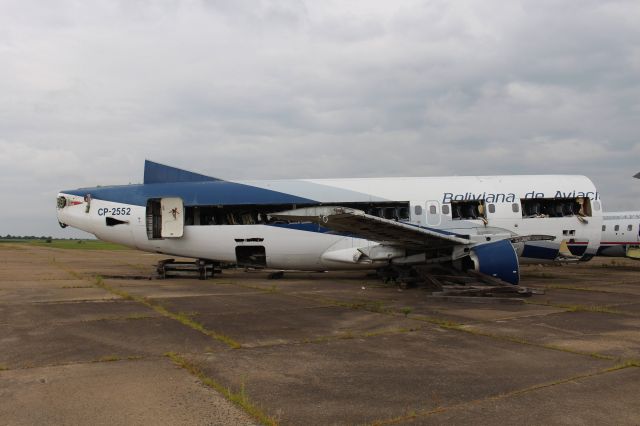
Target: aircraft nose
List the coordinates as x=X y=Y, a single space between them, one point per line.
x=61 y=203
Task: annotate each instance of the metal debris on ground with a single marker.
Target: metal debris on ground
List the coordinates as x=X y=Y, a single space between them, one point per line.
x=450 y=283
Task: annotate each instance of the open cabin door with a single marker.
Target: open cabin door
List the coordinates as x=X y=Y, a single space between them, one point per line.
x=165 y=218
x=172 y=217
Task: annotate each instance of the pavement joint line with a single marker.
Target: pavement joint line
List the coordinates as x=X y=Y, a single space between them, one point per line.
x=239 y=312
x=106 y=358
x=523 y=341
x=69 y=302
x=601 y=309
x=132 y=317
x=588 y=289
x=378 y=307
x=415 y=414
x=240 y=398
x=449 y=325
x=349 y=335
x=65 y=268
x=180 y=317
x=199 y=295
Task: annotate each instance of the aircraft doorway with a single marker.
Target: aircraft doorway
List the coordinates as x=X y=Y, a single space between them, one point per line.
x=165 y=218
x=251 y=256
x=433 y=213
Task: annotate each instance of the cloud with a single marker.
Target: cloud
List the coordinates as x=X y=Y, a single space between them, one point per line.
x=262 y=89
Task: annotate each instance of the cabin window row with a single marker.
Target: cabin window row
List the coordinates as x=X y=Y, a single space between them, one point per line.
x=531 y=208
x=617 y=228
x=256 y=214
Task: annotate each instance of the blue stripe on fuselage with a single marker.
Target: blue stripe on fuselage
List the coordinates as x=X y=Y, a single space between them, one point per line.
x=537 y=252
x=192 y=194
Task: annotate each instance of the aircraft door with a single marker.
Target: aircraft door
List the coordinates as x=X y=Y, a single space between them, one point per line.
x=172 y=211
x=433 y=213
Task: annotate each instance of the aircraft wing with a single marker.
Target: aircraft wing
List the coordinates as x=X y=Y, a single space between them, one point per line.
x=374 y=228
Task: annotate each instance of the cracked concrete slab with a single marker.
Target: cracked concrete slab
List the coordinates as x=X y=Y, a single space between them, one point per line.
x=363 y=380
x=304 y=359
x=139 y=392
x=602 y=399
x=607 y=334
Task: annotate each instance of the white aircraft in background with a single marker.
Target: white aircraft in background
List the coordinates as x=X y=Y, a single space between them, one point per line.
x=474 y=222
x=620 y=234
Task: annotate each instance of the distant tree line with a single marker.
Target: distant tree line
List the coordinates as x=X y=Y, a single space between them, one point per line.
x=26 y=237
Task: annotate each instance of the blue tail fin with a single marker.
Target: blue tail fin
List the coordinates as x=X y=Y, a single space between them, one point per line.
x=159 y=173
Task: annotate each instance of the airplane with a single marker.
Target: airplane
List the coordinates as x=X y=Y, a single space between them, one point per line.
x=620 y=234
x=482 y=223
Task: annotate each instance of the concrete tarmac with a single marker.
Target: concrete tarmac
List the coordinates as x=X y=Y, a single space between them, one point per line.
x=84 y=340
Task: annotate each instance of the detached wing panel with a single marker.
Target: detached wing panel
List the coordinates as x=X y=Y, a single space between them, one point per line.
x=362 y=225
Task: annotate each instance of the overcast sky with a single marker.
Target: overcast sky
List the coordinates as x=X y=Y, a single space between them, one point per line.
x=286 y=89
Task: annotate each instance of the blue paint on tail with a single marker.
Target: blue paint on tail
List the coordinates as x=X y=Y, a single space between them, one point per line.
x=160 y=173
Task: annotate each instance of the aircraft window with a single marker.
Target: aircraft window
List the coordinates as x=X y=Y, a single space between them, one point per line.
x=492 y=208
x=473 y=209
x=418 y=210
x=390 y=213
x=555 y=207
x=445 y=209
x=260 y=214
x=604 y=228
x=629 y=227
x=433 y=210
x=515 y=207
x=403 y=213
x=616 y=228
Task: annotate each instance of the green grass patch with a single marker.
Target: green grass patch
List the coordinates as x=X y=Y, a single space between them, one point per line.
x=132 y=317
x=574 y=288
x=451 y=325
x=3 y=367
x=626 y=364
x=78 y=244
x=239 y=398
x=109 y=358
x=590 y=308
x=348 y=335
x=114 y=358
x=406 y=311
x=545 y=275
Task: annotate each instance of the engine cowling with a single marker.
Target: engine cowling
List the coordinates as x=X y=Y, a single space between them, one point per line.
x=497 y=259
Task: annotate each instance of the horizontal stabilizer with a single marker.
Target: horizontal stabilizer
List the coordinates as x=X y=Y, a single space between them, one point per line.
x=159 y=173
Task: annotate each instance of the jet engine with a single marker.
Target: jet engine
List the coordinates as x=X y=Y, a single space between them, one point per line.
x=497 y=259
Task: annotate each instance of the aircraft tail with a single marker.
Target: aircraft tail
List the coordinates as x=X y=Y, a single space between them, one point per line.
x=637 y=175
x=160 y=173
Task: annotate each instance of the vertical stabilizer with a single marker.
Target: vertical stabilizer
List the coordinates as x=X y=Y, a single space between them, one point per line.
x=159 y=173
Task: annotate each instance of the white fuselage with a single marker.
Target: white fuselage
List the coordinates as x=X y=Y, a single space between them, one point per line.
x=620 y=230
x=431 y=203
